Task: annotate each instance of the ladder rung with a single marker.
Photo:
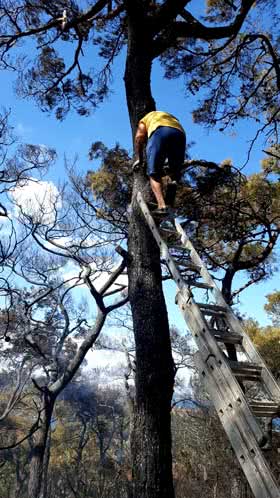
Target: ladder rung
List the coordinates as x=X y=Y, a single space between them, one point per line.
x=201 y=285
x=264 y=408
x=226 y=337
x=169 y=237
x=211 y=309
x=168 y=231
x=245 y=371
x=189 y=266
x=177 y=247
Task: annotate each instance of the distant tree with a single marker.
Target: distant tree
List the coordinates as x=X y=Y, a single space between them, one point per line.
x=272 y=307
x=100 y=411
x=41 y=320
x=241 y=228
x=18 y=162
x=267 y=341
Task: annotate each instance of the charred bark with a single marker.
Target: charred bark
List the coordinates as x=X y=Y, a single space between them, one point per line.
x=138 y=66
x=151 y=436
x=227 y=294
x=39 y=444
x=47 y=454
x=154 y=378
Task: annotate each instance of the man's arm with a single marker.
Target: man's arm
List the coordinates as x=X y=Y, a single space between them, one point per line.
x=140 y=140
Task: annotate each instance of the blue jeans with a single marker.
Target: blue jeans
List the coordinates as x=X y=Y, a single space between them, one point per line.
x=165 y=143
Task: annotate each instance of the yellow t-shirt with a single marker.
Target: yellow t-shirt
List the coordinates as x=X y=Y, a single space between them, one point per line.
x=154 y=119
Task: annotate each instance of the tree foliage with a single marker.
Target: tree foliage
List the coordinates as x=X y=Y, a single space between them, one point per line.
x=272 y=307
x=228 y=54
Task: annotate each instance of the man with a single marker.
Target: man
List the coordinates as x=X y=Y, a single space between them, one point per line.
x=165 y=139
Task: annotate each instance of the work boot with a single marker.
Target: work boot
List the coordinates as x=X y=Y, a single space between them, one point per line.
x=171 y=193
x=162 y=211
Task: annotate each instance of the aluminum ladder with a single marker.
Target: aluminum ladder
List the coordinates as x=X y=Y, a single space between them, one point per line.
x=213 y=327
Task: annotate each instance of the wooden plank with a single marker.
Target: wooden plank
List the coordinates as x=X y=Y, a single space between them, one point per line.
x=168 y=231
x=263 y=408
x=211 y=307
x=247 y=376
x=244 y=366
x=188 y=265
x=177 y=247
x=200 y=285
x=226 y=337
x=267 y=377
x=212 y=312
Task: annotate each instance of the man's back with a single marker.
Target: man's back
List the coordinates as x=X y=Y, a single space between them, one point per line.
x=154 y=119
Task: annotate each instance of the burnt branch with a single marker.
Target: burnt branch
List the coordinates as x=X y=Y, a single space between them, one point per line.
x=178 y=31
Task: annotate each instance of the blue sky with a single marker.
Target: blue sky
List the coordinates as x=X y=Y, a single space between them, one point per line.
x=110 y=124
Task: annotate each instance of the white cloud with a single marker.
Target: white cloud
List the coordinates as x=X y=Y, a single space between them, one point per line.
x=22 y=130
x=103 y=358
x=36 y=199
x=112 y=366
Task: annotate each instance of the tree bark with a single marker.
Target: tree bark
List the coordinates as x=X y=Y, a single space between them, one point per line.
x=154 y=379
x=47 y=454
x=151 y=436
x=37 y=459
x=227 y=294
x=138 y=66
x=20 y=475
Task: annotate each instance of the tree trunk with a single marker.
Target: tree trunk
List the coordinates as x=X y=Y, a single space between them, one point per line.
x=154 y=379
x=37 y=460
x=20 y=475
x=151 y=437
x=47 y=454
x=227 y=295
x=138 y=68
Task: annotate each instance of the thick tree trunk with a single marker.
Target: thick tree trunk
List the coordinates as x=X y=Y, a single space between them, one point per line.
x=19 y=488
x=37 y=460
x=227 y=294
x=227 y=285
x=151 y=435
x=151 y=438
x=138 y=69
x=44 y=488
